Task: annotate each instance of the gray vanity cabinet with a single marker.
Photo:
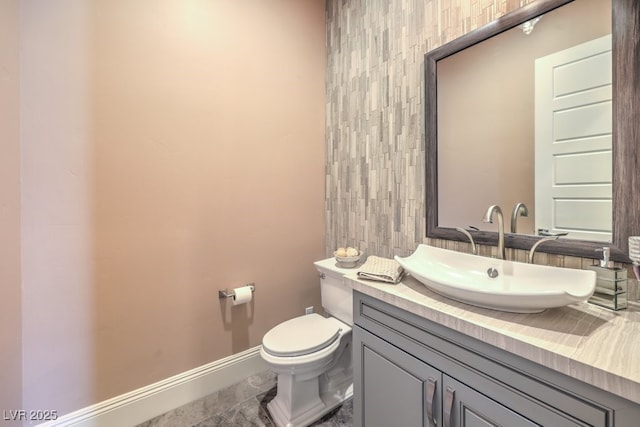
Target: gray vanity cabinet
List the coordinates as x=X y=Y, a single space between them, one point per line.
x=409 y=371
x=464 y=406
x=395 y=388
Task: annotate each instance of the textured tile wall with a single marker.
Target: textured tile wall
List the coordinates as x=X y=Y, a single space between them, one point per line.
x=375 y=196
x=375 y=175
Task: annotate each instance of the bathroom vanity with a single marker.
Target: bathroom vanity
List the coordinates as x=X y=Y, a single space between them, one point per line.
x=421 y=359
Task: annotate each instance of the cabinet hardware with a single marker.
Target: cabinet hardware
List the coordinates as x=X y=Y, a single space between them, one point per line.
x=432 y=386
x=448 y=406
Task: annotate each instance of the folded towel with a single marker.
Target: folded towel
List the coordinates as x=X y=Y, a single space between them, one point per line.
x=381 y=269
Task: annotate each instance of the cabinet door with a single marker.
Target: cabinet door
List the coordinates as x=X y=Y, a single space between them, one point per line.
x=392 y=388
x=465 y=407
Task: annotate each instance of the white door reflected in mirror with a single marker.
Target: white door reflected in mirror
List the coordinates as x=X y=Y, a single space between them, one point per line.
x=573 y=157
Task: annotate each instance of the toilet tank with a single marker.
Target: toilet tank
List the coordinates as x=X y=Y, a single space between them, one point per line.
x=337 y=294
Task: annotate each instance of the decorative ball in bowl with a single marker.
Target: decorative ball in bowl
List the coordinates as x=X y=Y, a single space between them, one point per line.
x=347 y=257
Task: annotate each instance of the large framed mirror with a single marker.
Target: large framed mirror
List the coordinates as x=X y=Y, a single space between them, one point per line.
x=454 y=115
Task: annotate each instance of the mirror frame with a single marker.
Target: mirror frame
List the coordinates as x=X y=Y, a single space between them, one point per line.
x=625 y=141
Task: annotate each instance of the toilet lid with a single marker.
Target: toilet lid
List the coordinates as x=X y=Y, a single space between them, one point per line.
x=301 y=335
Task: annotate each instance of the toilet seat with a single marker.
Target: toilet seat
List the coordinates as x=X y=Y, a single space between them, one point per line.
x=301 y=336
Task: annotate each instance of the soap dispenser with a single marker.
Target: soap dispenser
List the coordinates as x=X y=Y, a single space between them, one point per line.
x=606 y=258
x=611 y=283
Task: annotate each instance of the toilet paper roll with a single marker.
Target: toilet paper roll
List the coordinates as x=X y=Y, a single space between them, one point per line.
x=242 y=295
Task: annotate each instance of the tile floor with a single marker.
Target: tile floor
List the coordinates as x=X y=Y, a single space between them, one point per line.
x=242 y=404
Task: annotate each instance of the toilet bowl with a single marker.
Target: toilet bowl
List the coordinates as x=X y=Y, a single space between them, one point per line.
x=312 y=355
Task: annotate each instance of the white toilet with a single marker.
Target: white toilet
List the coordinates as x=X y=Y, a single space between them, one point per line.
x=312 y=355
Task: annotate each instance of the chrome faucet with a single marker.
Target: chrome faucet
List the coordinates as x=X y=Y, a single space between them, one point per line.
x=532 y=252
x=519 y=209
x=470 y=237
x=488 y=217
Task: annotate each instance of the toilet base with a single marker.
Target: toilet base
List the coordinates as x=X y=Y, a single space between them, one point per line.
x=286 y=413
x=307 y=391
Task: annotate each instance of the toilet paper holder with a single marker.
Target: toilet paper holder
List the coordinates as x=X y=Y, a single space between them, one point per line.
x=225 y=293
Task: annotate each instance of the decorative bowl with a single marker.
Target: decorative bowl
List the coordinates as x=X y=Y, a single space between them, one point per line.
x=348 y=261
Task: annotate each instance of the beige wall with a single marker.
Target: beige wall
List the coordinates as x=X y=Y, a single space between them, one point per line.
x=10 y=313
x=170 y=149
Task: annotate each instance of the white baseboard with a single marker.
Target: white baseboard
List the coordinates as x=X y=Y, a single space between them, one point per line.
x=147 y=402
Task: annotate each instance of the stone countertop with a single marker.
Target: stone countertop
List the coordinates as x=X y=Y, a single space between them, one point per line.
x=592 y=344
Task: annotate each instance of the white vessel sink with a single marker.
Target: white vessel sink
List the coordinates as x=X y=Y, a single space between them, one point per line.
x=518 y=287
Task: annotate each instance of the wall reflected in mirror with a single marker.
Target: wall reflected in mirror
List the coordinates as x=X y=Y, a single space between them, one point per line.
x=487 y=129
